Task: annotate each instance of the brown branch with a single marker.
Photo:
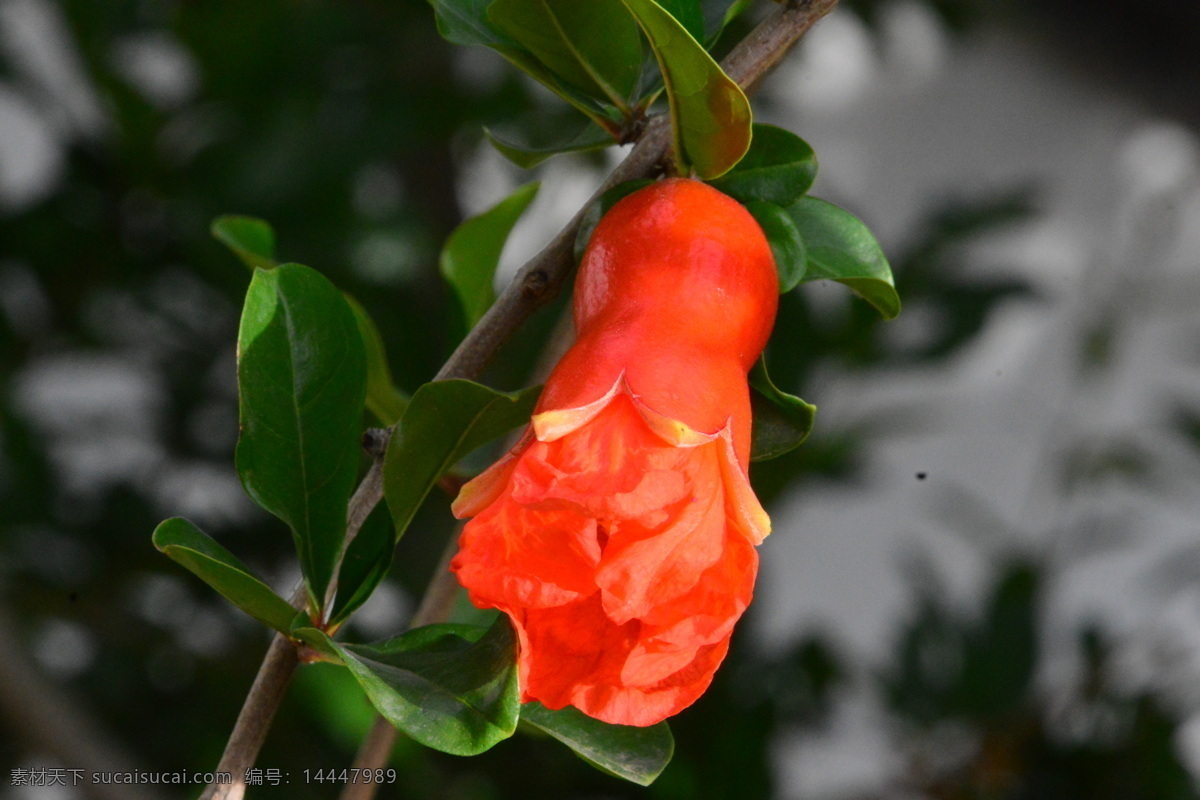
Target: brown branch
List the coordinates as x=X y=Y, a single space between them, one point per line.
x=533 y=287
x=250 y=730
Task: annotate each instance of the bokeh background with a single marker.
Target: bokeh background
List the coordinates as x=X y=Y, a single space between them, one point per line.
x=983 y=581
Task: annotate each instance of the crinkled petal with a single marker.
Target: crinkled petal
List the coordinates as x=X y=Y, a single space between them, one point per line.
x=642 y=568
x=619 y=541
x=574 y=655
x=510 y=555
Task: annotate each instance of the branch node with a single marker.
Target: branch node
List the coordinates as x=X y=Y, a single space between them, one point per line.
x=535 y=284
x=375 y=441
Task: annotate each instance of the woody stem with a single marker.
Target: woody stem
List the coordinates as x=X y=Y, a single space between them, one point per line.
x=533 y=287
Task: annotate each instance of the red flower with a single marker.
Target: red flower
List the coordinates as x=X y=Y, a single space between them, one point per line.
x=618 y=535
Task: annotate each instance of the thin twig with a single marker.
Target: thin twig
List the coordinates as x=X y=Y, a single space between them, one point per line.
x=538 y=282
x=250 y=730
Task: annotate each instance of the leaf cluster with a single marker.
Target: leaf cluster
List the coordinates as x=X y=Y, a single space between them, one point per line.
x=611 y=60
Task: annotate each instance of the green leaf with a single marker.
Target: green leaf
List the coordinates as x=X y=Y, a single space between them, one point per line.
x=384 y=400
x=302 y=382
x=445 y=421
x=438 y=684
x=687 y=13
x=592 y=46
x=596 y=111
x=365 y=564
x=782 y=421
x=466 y=22
x=635 y=754
x=526 y=156
x=778 y=168
x=710 y=115
x=469 y=259
x=841 y=248
x=598 y=209
x=786 y=244
x=187 y=545
x=250 y=239
x=718 y=21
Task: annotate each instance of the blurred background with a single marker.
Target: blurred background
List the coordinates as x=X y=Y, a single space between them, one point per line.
x=984 y=580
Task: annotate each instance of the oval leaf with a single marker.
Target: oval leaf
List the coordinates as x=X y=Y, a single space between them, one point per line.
x=841 y=248
x=592 y=46
x=786 y=244
x=635 y=754
x=250 y=239
x=710 y=114
x=781 y=421
x=778 y=168
x=718 y=15
x=384 y=400
x=366 y=562
x=302 y=384
x=687 y=13
x=526 y=156
x=472 y=253
x=445 y=421
x=195 y=550
x=437 y=684
x=466 y=22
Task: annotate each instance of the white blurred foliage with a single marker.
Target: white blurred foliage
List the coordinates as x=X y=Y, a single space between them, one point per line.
x=1114 y=245
x=158 y=66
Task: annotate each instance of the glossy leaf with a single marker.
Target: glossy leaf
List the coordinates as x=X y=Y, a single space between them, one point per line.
x=635 y=754
x=589 y=139
x=592 y=46
x=195 y=550
x=710 y=115
x=782 y=421
x=687 y=13
x=252 y=240
x=595 y=110
x=778 y=168
x=472 y=252
x=600 y=207
x=840 y=247
x=786 y=244
x=364 y=565
x=466 y=22
x=445 y=421
x=302 y=384
x=446 y=686
x=384 y=400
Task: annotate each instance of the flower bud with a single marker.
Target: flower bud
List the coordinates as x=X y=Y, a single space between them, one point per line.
x=618 y=535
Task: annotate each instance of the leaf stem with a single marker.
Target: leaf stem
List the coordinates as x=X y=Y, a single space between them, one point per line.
x=533 y=287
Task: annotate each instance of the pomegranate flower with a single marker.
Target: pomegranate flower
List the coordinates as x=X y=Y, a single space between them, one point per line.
x=618 y=535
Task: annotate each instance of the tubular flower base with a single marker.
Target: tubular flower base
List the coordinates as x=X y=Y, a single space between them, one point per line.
x=618 y=535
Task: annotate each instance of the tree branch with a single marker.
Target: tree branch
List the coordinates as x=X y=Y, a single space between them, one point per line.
x=533 y=287
x=250 y=730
